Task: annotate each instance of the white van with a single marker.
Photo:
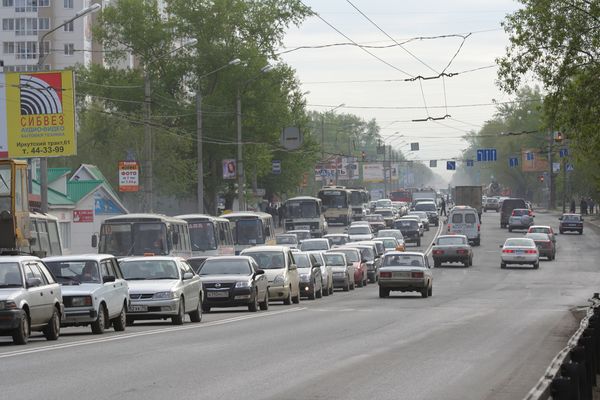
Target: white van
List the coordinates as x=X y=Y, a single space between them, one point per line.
x=463 y=220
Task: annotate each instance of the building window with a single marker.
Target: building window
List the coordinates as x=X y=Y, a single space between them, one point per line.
x=65 y=234
x=8 y=48
x=43 y=3
x=8 y=3
x=69 y=27
x=69 y=49
x=26 y=26
x=26 y=50
x=68 y=3
x=8 y=24
x=44 y=24
x=26 y=5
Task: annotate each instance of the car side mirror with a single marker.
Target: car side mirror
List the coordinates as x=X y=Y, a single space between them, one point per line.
x=292 y=267
x=259 y=272
x=34 y=282
x=187 y=275
x=94 y=241
x=108 y=278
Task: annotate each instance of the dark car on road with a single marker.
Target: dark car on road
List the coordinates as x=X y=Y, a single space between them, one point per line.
x=508 y=205
x=431 y=209
x=571 y=223
x=409 y=229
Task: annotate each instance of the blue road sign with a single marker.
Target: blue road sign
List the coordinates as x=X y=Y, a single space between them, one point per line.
x=513 y=162
x=570 y=167
x=451 y=165
x=486 y=155
x=563 y=153
x=470 y=163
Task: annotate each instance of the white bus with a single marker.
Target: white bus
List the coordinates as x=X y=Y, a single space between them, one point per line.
x=336 y=202
x=209 y=236
x=44 y=237
x=144 y=234
x=304 y=212
x=251 y=229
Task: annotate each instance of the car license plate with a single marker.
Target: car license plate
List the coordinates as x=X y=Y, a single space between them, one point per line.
x=303 y=227
x=520 y=251
x=217 y=294
x=401 y=274
x=137 y=309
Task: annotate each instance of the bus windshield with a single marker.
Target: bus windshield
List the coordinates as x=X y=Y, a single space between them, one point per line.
x=249 y=231
x=129 y=239
x=301 y=209
x=356 y=198
x=202 y=236
x=334 y=198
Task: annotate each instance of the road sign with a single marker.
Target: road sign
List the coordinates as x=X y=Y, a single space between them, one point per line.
x=276 y=167
x=513 y=162
x=470 y=163
x=486 y=155
x=563 y=153
x=570 y=167
x=291 y=138
x=451 y=165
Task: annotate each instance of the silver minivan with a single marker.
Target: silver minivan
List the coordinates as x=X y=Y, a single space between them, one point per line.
x=463 y=220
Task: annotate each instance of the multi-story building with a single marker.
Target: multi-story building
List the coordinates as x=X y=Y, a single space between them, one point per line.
x=25 y=22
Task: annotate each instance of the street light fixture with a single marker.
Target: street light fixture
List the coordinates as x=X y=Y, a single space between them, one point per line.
x=240 y=162
x=44 y=161
x=199 y=135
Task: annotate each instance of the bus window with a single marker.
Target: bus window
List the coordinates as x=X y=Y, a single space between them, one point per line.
x=249 y=231
x=5 y=188
x=36 y=242
x=202 y=235
x=55 y=247
x=42 y=229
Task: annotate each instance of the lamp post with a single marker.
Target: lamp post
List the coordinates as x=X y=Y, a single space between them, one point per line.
x=199 y=135
x=240 y=163
x=44 y=161
x=323 y=139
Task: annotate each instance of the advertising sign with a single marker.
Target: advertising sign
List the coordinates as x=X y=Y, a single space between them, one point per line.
x=37 y=115
x=372 y=173
x=83 y=215
x=229 y=169
x=129 y=176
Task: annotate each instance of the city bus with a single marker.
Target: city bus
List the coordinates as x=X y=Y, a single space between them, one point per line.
x=251 y=229
x=44 y=237
x=144 y=234
x=359 y=200
x=336 y=203
x=209 y=236
x=304 y=212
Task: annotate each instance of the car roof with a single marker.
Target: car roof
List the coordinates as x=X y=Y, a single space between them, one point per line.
x=156 y=258
x=79 y=257
x=404 y=253
x=335 y=253
x=335 y=234
x=540 y=226
x=266 y=248
x=314 y=240
x=18 y=258
x=450 y=236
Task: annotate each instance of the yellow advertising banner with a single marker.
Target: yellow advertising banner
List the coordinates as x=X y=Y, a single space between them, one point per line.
x=40 y=114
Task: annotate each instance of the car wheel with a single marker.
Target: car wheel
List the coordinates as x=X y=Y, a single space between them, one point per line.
x=424 y=293
x=436 y=264
x=430 y=292
x=253 y=306
x=561 y=231
x=581 y=232
x=325 y=291
x=320 y=292
x=536 y=265
x=419 y=242
x=509 y=229
x=196 y=315
x=205 y=309
x=502 y=265
x=288 y=300
x=52 y=330
x=21 y=334
x=360 y=283
x=129 y=321
x=265 y=304
x=347 y=285
x=383 y=293
x=178 y=319
x=99 y=325
x=120 y=322
x=313 y=293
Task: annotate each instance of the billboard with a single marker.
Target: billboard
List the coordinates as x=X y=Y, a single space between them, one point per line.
x=37 y=114
x=373 y=172
x=229 y=169
x=129 y=176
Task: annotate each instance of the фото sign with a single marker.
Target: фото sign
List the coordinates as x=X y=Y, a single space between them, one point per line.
x=83 y=216
x=129 y=176
x=37 y=114
x=373 y=173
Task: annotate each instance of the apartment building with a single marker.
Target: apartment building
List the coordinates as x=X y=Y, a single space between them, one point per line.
x=24 y=24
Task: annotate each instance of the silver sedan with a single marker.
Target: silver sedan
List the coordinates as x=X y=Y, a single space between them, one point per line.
x=405 y=272
x=520 y=251
x=452 y=248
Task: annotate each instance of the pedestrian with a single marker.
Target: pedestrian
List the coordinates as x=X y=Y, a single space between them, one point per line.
x=443 y=207
x=591 y=205
x=583 y=207
x=281 y=215
x=572 y=209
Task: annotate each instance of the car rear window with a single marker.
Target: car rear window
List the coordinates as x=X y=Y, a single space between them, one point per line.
x=451 y=240
x=403 y=261
x=470 y=218
x=457 y=218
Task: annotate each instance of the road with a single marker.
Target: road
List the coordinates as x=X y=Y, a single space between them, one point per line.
x=486 y=333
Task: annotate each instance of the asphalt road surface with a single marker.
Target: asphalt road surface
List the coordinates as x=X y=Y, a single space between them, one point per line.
x=486 y=333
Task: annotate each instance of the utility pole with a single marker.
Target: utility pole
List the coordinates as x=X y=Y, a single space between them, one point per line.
x=199 y=159
x=551 y=200
x=240 y=162
x=149 y=178
x=385 y=187
x=390 y=157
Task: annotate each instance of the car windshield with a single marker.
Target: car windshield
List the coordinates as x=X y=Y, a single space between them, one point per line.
x=449 y=241
x=367 y=254
x=390 y=232
x=202 y=236
x=419 y=214
x=320 y=244
x=539 y=229
x=403 y=260
x=225 y=267
x=519 y=243
x=384 y=203
x=406 y=223
x=520 y=212
x=268 y=259
x=302 y=260
x=425 y=207
x=537 y=236
x=385 y=213
x=149 y=269
x=302 y=209
x=10 y=275
x=289 y=239
x=249 y=231
x=302 y=235
x=75 y=271
x=359 y=230
x=196 y=263
x=351 y=254
x=389 y=243
x=374 y=218
x=337 y=240
x=127 y=239
x=335 y=260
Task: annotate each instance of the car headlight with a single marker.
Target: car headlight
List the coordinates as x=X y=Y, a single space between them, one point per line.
x=81 y=301
x=279 y=279
x=304 y=277
x=8 y=305
x=165 y=295
x=243 y=284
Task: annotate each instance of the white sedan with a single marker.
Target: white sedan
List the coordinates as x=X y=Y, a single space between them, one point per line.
x=520 y=251
x=405 y=272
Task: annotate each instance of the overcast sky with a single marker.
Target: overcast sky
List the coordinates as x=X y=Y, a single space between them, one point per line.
x=395 y=104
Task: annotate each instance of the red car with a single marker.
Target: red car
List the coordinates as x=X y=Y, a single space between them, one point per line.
x=354 y=256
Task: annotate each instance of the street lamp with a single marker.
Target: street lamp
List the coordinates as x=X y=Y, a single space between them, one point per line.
x=199 y=145
x=240 y=162
x=44 y=161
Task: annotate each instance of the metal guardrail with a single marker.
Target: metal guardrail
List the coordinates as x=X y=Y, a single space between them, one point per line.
x=572 y=373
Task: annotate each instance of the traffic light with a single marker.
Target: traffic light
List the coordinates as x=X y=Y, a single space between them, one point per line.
x=558 y=137
x=363 y=155
x=541 y=178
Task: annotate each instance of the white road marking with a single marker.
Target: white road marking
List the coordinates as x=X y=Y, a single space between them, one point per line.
x=437 y=233
x=144 y=333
